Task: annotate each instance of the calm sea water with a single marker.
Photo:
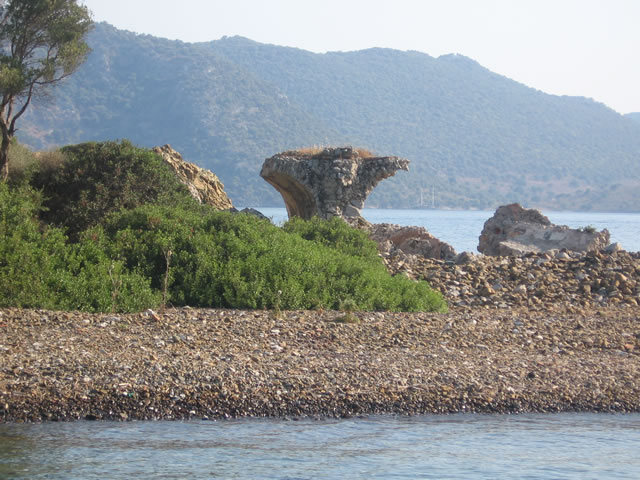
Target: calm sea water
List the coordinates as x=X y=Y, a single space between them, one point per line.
x=541 y=446
x=461 y=229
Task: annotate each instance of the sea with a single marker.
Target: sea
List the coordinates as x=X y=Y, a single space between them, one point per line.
x=462 y=446
x=461 y=228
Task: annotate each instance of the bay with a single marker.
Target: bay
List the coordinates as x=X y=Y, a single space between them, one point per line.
x=464 y=446
x=461 y=228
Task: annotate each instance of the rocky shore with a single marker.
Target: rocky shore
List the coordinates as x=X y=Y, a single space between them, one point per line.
x=188 y=363
x=554 y=281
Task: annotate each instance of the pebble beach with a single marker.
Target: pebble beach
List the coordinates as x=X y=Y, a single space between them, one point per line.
x=210 y=364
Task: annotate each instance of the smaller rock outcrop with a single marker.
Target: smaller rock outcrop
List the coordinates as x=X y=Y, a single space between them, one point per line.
x=514 y=230
x=203 y=184
x=249 y=211
x=328 y=183
x=393 y=239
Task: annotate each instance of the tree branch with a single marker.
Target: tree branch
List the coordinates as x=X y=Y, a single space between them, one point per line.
x=12 y=128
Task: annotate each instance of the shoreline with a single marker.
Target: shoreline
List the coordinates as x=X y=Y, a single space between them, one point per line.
x=208 y=363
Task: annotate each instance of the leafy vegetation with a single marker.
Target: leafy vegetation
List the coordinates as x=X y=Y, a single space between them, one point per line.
x=41 y=42
x=39 y=268
x=136 y=239
x=479 y=139
x=97 y=179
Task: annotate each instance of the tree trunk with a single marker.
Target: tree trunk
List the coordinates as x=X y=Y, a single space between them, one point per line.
x=4 y=155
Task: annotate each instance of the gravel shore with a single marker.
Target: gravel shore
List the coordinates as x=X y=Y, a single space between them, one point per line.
x=196 y=363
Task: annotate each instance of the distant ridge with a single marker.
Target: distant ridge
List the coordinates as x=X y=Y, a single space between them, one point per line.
x=476 y=138
x=635 y=116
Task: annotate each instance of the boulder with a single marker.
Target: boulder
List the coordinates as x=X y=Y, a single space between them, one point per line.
x=203 y=184
x=330 y=182
x=410 y=241
x=514 y=230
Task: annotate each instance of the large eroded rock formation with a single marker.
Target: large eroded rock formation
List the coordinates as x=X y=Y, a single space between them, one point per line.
x=203 y=184
x=333 y=182
x=514 y=230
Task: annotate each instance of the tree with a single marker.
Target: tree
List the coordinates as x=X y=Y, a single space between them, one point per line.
x=41 y=43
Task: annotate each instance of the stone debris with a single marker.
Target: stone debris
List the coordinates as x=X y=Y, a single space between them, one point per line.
x=331 y=182
x=203 y=185
x=549 y=281
x=396 y=240
x=514 y=230
x=199 y=363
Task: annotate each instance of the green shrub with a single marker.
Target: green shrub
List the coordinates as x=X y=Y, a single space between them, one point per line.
x=21 y=162
x=40 y=269
x=133 y=238
x=239 y=261
x=29 y=256
x=97 y=280
x=96 y=179
x=335 y=233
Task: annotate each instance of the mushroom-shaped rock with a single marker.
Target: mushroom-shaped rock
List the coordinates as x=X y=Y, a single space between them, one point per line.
x=333 y=182
x=514 y=231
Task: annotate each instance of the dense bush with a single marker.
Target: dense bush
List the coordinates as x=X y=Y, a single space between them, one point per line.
x=28 y=256
x=96 y=179
x=239 y=261
x=112 y=230
x=334 y=233
x=40 y=269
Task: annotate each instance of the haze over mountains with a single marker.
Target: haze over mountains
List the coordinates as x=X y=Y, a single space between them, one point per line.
x=475 y=139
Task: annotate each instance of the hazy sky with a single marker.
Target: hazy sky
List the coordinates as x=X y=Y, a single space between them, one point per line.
x=588 y=48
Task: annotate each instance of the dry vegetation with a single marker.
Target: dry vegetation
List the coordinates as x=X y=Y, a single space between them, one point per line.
x=23 y=161
x=317 y=149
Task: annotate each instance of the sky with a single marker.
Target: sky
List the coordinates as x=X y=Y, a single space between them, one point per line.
x=588 y=48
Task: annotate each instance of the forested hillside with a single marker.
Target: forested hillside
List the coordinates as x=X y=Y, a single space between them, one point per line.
x=476 y=138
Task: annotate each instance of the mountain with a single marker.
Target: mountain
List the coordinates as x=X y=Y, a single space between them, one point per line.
x=635 y=116
x=476 y=138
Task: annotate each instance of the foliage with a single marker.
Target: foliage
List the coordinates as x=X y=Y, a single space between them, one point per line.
x=239 y=261
x=347 y=306
x=335 y=233
x=588 y=229
x=96 y=179
x=25 y=163
x=145 y=248
x=41 y=42
x=28 y=256
x=40 y=269
x=316 y=149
